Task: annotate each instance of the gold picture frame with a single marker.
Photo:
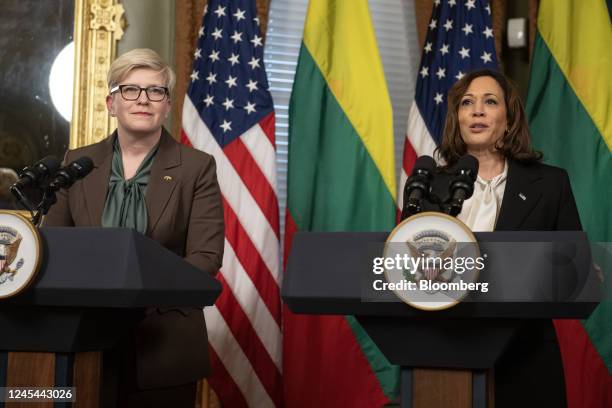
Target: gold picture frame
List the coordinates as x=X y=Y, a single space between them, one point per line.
x=98 y=26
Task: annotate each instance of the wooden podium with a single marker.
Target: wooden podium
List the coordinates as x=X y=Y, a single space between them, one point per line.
x=93 y=287
x=445 y=355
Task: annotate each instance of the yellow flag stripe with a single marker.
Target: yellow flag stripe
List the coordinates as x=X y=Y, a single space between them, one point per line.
x=340 y=37
x=579 y=35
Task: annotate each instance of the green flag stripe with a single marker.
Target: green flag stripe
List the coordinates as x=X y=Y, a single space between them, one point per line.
x=335 y=184
x=555 y=115
x=386 y=373
x=600 y=332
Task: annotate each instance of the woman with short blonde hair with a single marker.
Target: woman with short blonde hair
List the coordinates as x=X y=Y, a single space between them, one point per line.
x=143 y=179
x=140 y=58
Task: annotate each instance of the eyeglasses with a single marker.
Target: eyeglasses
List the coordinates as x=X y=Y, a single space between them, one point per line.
x=132 y=92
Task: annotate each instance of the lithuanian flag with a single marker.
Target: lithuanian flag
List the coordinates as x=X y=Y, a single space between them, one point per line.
x=341 y=178
x=570 y=114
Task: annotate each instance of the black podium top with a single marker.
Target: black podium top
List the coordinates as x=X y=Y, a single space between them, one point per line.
x=325 y=276
x=114 y=268
x=92 y=288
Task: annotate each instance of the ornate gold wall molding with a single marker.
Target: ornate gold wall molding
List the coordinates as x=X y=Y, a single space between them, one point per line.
x=188 y=18
x=98 y=25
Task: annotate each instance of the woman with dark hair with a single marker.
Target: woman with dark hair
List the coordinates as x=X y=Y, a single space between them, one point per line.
x=513 y=191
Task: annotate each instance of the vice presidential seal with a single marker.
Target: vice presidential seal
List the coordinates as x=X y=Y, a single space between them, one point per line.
x=439 y=258
x=19 y=253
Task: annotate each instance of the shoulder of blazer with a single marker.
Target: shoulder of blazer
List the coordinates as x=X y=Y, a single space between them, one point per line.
x=526 y=185
x=192 y=155
x=97 y=152
x=531 y=172
x=182 y=153
x=174 y=154
x=195 y=160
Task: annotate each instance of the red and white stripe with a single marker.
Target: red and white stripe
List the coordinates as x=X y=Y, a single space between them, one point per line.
x=417 y=143
x=244 y=325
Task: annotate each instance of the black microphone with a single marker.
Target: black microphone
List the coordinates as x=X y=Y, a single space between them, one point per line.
x=67 y=175
x=462 y=186
x=418 y=186
x=36 y=173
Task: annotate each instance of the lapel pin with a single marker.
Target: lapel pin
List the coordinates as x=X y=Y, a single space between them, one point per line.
x=523 y=197
x=167 y=178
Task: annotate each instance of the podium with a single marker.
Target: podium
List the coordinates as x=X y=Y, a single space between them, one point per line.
x=539 y=275
x=92 y=288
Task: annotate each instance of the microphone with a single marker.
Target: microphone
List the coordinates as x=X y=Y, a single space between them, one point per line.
x=418 y=186
x=462 y=186
x=36 y=173
x=66 y=176
x=63 y=178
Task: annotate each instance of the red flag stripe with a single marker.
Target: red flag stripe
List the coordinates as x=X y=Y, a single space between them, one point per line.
x=252 y=304
x=238 y=322
x=302 y=375
x=254 y=180
x=184 y=139
x=418 y=142
x=235 y=361
x=253 y=264
x=586 y=377
x=268 y=125
x=290 y=229
x=223 y=383
x=263 y=152
x=408 y=159
x=417 y=133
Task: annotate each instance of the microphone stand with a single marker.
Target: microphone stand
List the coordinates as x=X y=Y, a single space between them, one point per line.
x=49 y=198
x=23 y=200
x=37 y=212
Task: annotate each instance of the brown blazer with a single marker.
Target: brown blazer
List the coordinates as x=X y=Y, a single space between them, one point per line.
x=185 y=215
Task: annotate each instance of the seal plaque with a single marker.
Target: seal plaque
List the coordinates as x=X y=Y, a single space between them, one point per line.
x=437 y=246
x=20 y=253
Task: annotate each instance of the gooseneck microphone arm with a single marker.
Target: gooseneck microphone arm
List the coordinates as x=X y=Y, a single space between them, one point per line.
x=47 y=201
x=21 y=198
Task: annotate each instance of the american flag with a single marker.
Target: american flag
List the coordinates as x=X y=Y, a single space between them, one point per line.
x=228 y=113
x=459 y=39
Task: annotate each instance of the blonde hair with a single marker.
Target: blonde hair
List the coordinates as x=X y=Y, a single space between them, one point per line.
x=139 y=58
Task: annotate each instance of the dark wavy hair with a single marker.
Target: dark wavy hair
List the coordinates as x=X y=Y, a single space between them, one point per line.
x=515 y=144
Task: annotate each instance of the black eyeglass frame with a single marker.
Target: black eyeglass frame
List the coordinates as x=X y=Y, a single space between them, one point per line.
x=120 y=89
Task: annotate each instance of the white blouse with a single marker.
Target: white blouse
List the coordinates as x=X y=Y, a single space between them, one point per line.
x=480 y=211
